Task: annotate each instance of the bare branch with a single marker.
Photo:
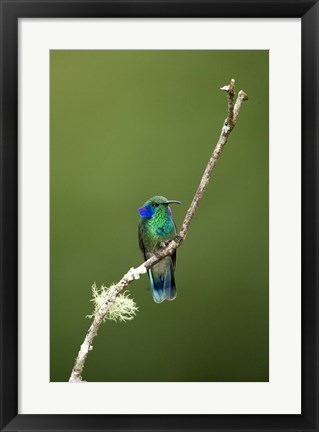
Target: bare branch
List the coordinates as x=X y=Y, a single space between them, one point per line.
x=230 y=89
x=240 y=99
x=135 y=273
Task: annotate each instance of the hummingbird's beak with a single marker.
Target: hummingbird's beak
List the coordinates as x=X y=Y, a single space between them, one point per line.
x=173 y=202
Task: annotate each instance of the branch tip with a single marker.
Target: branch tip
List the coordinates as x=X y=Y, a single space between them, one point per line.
x=230 y=87
x=243 y=95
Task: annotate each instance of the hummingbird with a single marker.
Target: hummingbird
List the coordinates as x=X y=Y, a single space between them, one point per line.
x=156 y=226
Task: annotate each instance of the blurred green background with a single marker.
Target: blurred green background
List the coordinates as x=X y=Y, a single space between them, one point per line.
x=127 y=125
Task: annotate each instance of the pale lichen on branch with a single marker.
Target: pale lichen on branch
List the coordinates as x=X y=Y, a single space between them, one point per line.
x=122 y=309
x=112 y=298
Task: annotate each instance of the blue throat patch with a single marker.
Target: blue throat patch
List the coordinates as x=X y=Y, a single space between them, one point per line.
x=145 y=212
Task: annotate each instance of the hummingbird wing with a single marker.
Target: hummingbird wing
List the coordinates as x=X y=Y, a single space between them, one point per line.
x=140 y=239
x=174 y=254
x=174 y=260
x=169 y=281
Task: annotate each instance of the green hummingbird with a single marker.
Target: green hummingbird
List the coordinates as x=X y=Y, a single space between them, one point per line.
x=156 y=226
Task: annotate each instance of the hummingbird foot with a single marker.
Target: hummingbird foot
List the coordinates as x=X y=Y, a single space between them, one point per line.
x=157 y=254
x=178 y=239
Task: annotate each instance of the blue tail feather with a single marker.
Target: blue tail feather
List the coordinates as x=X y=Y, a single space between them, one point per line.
x=157 y=287
x=163 y=285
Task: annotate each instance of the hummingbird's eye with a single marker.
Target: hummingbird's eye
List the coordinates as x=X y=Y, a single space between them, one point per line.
x=154 y=204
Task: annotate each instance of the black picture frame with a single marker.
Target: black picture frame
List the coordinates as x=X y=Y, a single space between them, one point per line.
x=11 y=11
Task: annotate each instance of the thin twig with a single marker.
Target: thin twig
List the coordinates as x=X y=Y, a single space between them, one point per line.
x=135 y=273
